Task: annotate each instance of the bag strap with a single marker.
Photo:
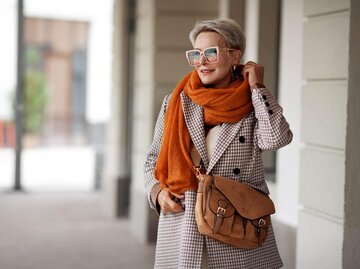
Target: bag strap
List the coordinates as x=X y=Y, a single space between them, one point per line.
x=196 y=158
x=195 y=155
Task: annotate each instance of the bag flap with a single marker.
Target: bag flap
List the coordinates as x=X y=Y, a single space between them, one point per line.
x=249 y=202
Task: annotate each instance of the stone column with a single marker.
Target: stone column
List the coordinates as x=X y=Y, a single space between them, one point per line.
x=162 y=29
x=116 y=172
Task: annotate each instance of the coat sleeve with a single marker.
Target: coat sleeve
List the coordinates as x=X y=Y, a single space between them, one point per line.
x=152 y=185
x=271 y=129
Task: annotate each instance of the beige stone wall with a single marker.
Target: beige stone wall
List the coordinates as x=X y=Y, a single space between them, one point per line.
x=323 y=131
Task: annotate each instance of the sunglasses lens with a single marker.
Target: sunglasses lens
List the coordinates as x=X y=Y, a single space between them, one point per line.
x=211 y=55
x=193 y=57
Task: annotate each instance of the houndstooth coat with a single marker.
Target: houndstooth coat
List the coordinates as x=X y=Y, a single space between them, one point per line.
x=236 y=155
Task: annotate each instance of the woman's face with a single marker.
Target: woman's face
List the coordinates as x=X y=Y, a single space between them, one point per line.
x=215 y=75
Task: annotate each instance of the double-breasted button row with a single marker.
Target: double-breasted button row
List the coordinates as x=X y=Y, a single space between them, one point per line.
x=242 y=139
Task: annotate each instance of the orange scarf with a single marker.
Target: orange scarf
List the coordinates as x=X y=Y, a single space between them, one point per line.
x=174 y=167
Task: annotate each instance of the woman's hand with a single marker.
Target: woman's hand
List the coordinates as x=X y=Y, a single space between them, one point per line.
x=167 y=203
x=254 y=73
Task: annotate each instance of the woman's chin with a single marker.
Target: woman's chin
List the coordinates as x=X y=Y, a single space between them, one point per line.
x=206 y=81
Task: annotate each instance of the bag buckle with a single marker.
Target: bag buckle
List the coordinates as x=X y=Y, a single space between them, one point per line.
x=219 y=219
x=221 y=211
x=262 y=222
x=197 y=171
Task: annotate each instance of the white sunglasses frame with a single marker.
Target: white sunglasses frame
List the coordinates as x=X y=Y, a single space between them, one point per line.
x=203 y=55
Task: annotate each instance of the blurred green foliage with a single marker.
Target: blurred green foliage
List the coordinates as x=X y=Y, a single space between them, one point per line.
x=35 y=97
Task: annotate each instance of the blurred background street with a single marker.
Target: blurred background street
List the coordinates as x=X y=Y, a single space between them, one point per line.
x=66 y=230
x=51 y=169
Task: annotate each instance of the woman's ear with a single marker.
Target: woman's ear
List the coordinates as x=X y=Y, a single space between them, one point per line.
x=237 y=55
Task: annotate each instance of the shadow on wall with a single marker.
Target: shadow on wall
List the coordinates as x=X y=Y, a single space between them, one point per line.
x=286 y=241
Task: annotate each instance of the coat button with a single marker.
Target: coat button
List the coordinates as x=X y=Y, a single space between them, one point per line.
x=236 y=171
x=270 y=112
x=264 y=97
x=242 y=139
x=267 y=104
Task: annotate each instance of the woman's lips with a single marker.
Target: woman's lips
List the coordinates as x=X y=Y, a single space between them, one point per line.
x=206 y=71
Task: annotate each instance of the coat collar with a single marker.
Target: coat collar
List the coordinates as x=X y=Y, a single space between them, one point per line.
x=194 y=118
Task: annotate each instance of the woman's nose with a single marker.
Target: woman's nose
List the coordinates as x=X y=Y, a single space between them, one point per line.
x=202 y=59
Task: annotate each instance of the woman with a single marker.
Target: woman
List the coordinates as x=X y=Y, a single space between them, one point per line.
x=224 y=109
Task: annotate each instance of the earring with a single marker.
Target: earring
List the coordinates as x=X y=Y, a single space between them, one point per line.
x=234 y=74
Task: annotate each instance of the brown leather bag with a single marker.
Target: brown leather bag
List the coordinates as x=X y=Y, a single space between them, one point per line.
x=232 y=212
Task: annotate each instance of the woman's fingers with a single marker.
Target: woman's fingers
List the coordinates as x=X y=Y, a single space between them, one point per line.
x=172 y=206
x=253 y=72
x=166 y=202
x=179 y=196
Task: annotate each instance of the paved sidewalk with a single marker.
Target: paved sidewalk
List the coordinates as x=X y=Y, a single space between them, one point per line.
x=66 y=231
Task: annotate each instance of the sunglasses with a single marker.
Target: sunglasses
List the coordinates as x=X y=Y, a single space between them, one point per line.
x=211 y=55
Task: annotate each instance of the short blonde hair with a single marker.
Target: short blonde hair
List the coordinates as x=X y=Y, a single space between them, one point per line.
x=228 y=28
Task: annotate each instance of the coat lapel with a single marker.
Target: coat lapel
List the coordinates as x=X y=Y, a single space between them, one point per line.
x=227 y=134
x=194 y=118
